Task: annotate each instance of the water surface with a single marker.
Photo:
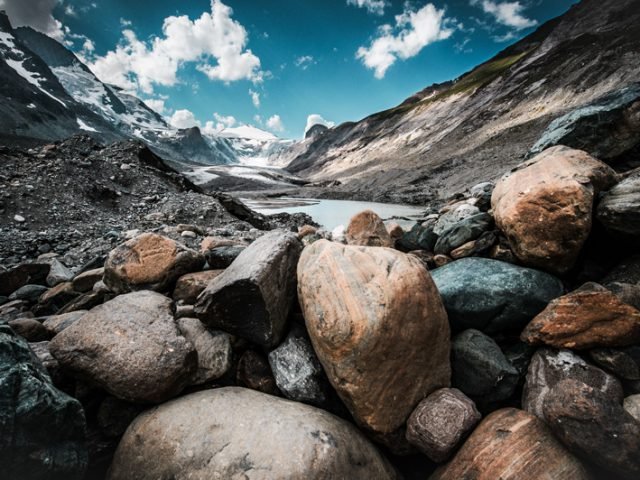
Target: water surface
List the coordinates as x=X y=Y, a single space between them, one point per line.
x=333 y=213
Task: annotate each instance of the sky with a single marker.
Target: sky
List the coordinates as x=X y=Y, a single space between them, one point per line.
x=280 y=65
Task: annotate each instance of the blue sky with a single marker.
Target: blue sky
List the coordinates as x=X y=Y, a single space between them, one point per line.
x=274 y=63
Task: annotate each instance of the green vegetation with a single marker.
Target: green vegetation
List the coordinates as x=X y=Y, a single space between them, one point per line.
x=473 y=80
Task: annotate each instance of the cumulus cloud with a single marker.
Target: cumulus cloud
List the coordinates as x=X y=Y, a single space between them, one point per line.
x=373 y=6
x=413 y=31
x=215 y=42
x=224 y=121
x=156 y=104
x=506 y=13
x=255 y=98
x=304 y=61
x=37 y=14
x=184 y=119
x=275 y=124
x=315 y=119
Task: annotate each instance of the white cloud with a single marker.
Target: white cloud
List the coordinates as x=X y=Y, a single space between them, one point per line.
x=37 y=14
x=315 y=119
x=215 y=42
x=184 y=119
x=88 y=46
x=70 y=11
x=413 y=31
x=125 y=23
x=258 y=119
x=157 y=105
x=225 y=121
x=373 y=6
x=255 y=98
x=275 y=123
x=506 y=13
x=304 y=61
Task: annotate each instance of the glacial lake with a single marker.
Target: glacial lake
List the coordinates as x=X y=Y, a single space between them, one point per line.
x=333 y=213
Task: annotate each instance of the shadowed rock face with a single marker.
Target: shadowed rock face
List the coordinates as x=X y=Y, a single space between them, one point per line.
x=378 y=326
x=512 y=445
x=240 y=433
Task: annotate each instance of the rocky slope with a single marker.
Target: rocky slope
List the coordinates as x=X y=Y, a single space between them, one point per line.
x=576 y=67
x=479 y=343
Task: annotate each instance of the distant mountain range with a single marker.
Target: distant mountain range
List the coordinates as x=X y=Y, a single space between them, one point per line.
x=49 y=94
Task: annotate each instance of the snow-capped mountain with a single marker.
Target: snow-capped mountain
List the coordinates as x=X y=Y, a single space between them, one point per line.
x=253 y=146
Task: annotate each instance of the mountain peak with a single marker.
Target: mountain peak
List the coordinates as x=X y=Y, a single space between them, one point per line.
x=249 y=132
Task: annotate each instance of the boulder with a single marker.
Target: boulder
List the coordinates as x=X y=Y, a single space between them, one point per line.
x=28 y=293
x=129 y=346
x=367 y=229
x=58 y=273
x=493 y=296
x=462 y=232
x=213 y=348
x=222 y=256
x=624 y=281
x=480 y=369
x=85 y=281
x=619 y=209
x=57 y=323
x=191 y=285
x=544 y=206
x=255 y=373
x=297 y=370
x=475 y=247
x=239 y=433
x=252 y=298
x=594 y=427
x=454 y=215
x=440 y=422
x=42 y=430
x=23 y=274
x=149 y=262
x=623 y=363
x=511 y=444
x=57 y=297
x=549 y=367
x=378 y=326
x=632 y=405
x=589 y=317
x=418 y=238
x=30 y=329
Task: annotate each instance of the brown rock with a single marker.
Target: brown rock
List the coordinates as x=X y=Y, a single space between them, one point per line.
x=130 y=347
x=367 y=229
x=589 y=317
x=30 y=328
x=149 y=262
x=57 y=297
x=255 y=373
x=306 y=230
x=252 y=298
x=57 y=323
x=85 y=281
x=511 y=444
x=594 y=427
x=378 y=326
x=189 y=286
x=441 y=260
x=545 y=205
x=395 y=231
x=209 y=243
x=474 y=247
x=441 y=421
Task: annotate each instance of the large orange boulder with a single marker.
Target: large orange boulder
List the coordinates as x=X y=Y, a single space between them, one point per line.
x=379 y=328
x=512 y=444
x=544 y=206
x=589 y=317
x=149 y=262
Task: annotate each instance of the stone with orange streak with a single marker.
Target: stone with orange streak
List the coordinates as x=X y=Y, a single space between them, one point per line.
x=589 y=317
x=149 y=262
x=511 y=444
x=367 y=229
x=379 y=328
x=544 y=206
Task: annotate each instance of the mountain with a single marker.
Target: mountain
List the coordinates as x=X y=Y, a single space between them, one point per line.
x=50 y=94
x=255 y=147
x=488 y=120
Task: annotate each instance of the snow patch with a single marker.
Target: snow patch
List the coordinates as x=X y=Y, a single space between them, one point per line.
x=84 y=126
x=248 y=132
x=31 y=77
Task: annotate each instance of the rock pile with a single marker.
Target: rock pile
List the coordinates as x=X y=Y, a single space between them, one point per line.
x=489 y=342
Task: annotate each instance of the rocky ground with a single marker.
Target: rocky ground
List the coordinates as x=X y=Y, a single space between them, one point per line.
x=498 y=338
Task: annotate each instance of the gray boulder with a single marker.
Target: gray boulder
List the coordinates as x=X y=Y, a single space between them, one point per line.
x=252 y=298
x=462 y=232
x=493 y=296
x=619 y=209
x=214 y=349
x=239 y=433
